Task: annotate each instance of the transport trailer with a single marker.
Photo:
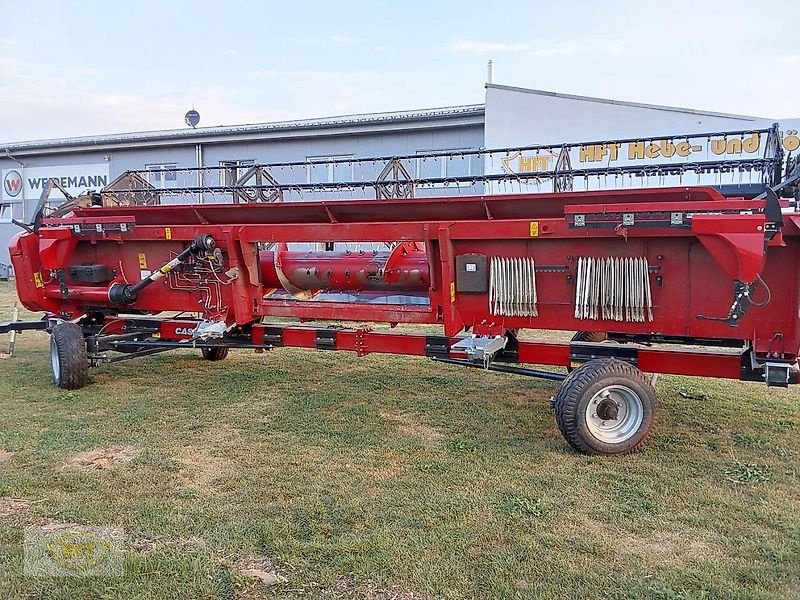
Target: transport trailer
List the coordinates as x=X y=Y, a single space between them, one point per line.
x=681 y=280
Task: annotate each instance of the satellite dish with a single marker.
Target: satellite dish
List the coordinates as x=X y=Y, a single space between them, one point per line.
x=192 y=118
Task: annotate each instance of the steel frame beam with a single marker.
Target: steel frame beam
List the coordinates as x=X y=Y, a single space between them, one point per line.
x=363 y=341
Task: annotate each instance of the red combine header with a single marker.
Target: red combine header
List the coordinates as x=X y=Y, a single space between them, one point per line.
x=691 y=280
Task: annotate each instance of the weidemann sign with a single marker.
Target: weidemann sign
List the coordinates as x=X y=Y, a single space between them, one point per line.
x=27 y=183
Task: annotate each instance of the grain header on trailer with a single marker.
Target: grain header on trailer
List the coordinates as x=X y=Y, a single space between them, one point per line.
x=688 y=278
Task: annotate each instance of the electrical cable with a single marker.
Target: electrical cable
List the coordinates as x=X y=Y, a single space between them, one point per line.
x=769 y=294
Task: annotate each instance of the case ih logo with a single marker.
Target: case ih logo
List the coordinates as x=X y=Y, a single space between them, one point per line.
x=177 y=330
x=13 y=183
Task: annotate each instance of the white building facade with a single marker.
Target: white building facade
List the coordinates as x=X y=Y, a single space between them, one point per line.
x=511 y=118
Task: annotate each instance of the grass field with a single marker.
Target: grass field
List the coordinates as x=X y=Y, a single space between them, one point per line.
x=385 y=477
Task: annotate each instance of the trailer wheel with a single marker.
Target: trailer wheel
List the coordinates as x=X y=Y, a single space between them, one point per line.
x=590 y=336
x=606 y=406
x=68 y=356
x=595 y=337
x=215 y=354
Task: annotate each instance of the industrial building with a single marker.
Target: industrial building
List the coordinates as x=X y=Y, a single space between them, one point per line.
x=510 y=117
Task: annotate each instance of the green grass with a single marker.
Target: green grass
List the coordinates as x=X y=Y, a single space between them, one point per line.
x=391 y=477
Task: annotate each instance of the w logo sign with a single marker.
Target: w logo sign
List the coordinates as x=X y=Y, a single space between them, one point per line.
x=12 y=183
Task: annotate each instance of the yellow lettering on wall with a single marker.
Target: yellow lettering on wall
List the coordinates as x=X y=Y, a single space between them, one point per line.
x=683 y=149
x=652 y=151
x=667 y=148
x=791 y=142
x=718 y=146
x=529 y=164
x=635 y=150
x=733 y=146
x=752 y=143
x=598 y=152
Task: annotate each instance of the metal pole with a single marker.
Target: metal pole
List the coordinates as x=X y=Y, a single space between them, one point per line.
x=12 y=336
x=199 y=156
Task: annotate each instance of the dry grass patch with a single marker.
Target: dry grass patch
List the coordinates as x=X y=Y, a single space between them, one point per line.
x=658 y=549
x=347 y=589
x=5 y=456
x=145 y=545
x=259 y=567
x=100 y=459
x=409 y=426
x=391 y=467
x=669 y=547
x=11 y=507
x=201 y=468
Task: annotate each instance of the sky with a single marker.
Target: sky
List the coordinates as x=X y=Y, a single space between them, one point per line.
x=95 y=67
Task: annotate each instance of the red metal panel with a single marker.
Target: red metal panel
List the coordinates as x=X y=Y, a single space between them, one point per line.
x=706 y=363
x=691 y=276
x=544 y=353
x=659 y=206
x=300 y=337
x=691 y=362
x=407 y=210
x=735 y=241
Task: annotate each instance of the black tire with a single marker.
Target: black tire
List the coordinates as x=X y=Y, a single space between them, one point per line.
x=595 y=337
x=215 y=354
x=68 y=357
x=624 y=408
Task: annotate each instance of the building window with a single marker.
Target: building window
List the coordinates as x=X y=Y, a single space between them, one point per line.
x=5 y=213
x=329 y=169
x=444 y=167
x=162 y=175
x=232 y=170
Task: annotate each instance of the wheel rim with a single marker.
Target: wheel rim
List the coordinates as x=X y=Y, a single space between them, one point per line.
x=55 y=361
x=614 y=414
